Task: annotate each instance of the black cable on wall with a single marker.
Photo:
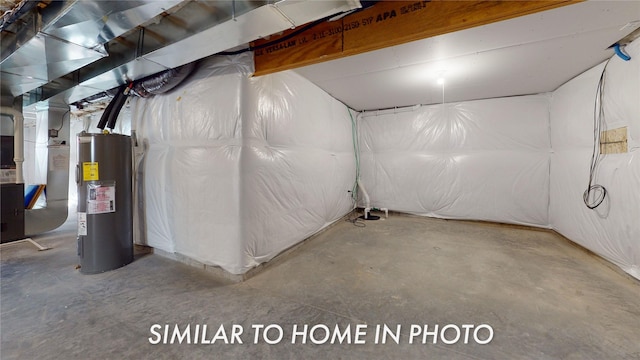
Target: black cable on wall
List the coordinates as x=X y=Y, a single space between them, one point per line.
x=595 y=194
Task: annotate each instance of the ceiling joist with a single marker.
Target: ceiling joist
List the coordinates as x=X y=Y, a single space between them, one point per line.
x=385 y=24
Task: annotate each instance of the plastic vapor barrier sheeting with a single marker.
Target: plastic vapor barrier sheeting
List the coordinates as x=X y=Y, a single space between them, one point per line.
x=298 y=163
x=480 y=160
x=611 y=230
x=238 y=169
x=190 y=169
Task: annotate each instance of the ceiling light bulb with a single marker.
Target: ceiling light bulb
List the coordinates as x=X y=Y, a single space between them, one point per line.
x=441 y=81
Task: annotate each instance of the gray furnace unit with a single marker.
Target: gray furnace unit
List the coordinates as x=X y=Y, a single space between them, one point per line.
x=105 y=221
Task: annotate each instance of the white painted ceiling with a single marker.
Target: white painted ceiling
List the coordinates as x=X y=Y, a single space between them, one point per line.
x=527 y=55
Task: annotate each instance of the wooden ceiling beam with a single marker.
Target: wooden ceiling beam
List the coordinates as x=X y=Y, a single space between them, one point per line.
x=385 y=24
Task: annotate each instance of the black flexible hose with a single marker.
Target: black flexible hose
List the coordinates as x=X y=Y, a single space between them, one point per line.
x=105 y=115
x=162 y=82
x=119 y=100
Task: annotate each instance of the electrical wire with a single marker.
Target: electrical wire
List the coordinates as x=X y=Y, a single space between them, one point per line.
x=356 y=153
x=356 y=221
x=595 y=194
x=62 y=120
x=61 y=124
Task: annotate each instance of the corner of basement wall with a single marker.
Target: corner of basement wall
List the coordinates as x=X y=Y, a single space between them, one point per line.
x=189 y=164
x=611 y=230
x=296 y=167
x=236 y=170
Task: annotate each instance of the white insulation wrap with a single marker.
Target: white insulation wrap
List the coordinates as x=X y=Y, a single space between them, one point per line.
x=192 y=140
x=481 y=160
x=238 y=169
x=298 y=163
x=611 y=230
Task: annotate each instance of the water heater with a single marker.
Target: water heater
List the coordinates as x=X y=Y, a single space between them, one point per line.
x=105 y=220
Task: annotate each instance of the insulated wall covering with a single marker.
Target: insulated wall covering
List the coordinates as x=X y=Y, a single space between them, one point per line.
x=191 y=165
x=297 y=163
x=237 y=169
x=481 y=160
x=611 y=230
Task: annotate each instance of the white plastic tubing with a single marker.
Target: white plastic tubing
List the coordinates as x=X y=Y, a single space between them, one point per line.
x=18 y=133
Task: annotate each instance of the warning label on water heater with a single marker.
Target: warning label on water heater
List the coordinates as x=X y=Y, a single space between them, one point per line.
x=82 y=224
x=101 y=198
x=90 y=171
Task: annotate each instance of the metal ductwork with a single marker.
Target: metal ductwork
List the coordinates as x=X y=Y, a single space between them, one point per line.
x=55 y=53
x=82 y=48
x=43 y=45
x=57 y=152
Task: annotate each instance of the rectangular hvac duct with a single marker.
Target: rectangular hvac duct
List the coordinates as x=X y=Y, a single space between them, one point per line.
x=220 y=26
x=66 y=36
x=263 y=21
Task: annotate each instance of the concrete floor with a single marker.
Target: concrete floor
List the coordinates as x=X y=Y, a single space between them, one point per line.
x=543 y=298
